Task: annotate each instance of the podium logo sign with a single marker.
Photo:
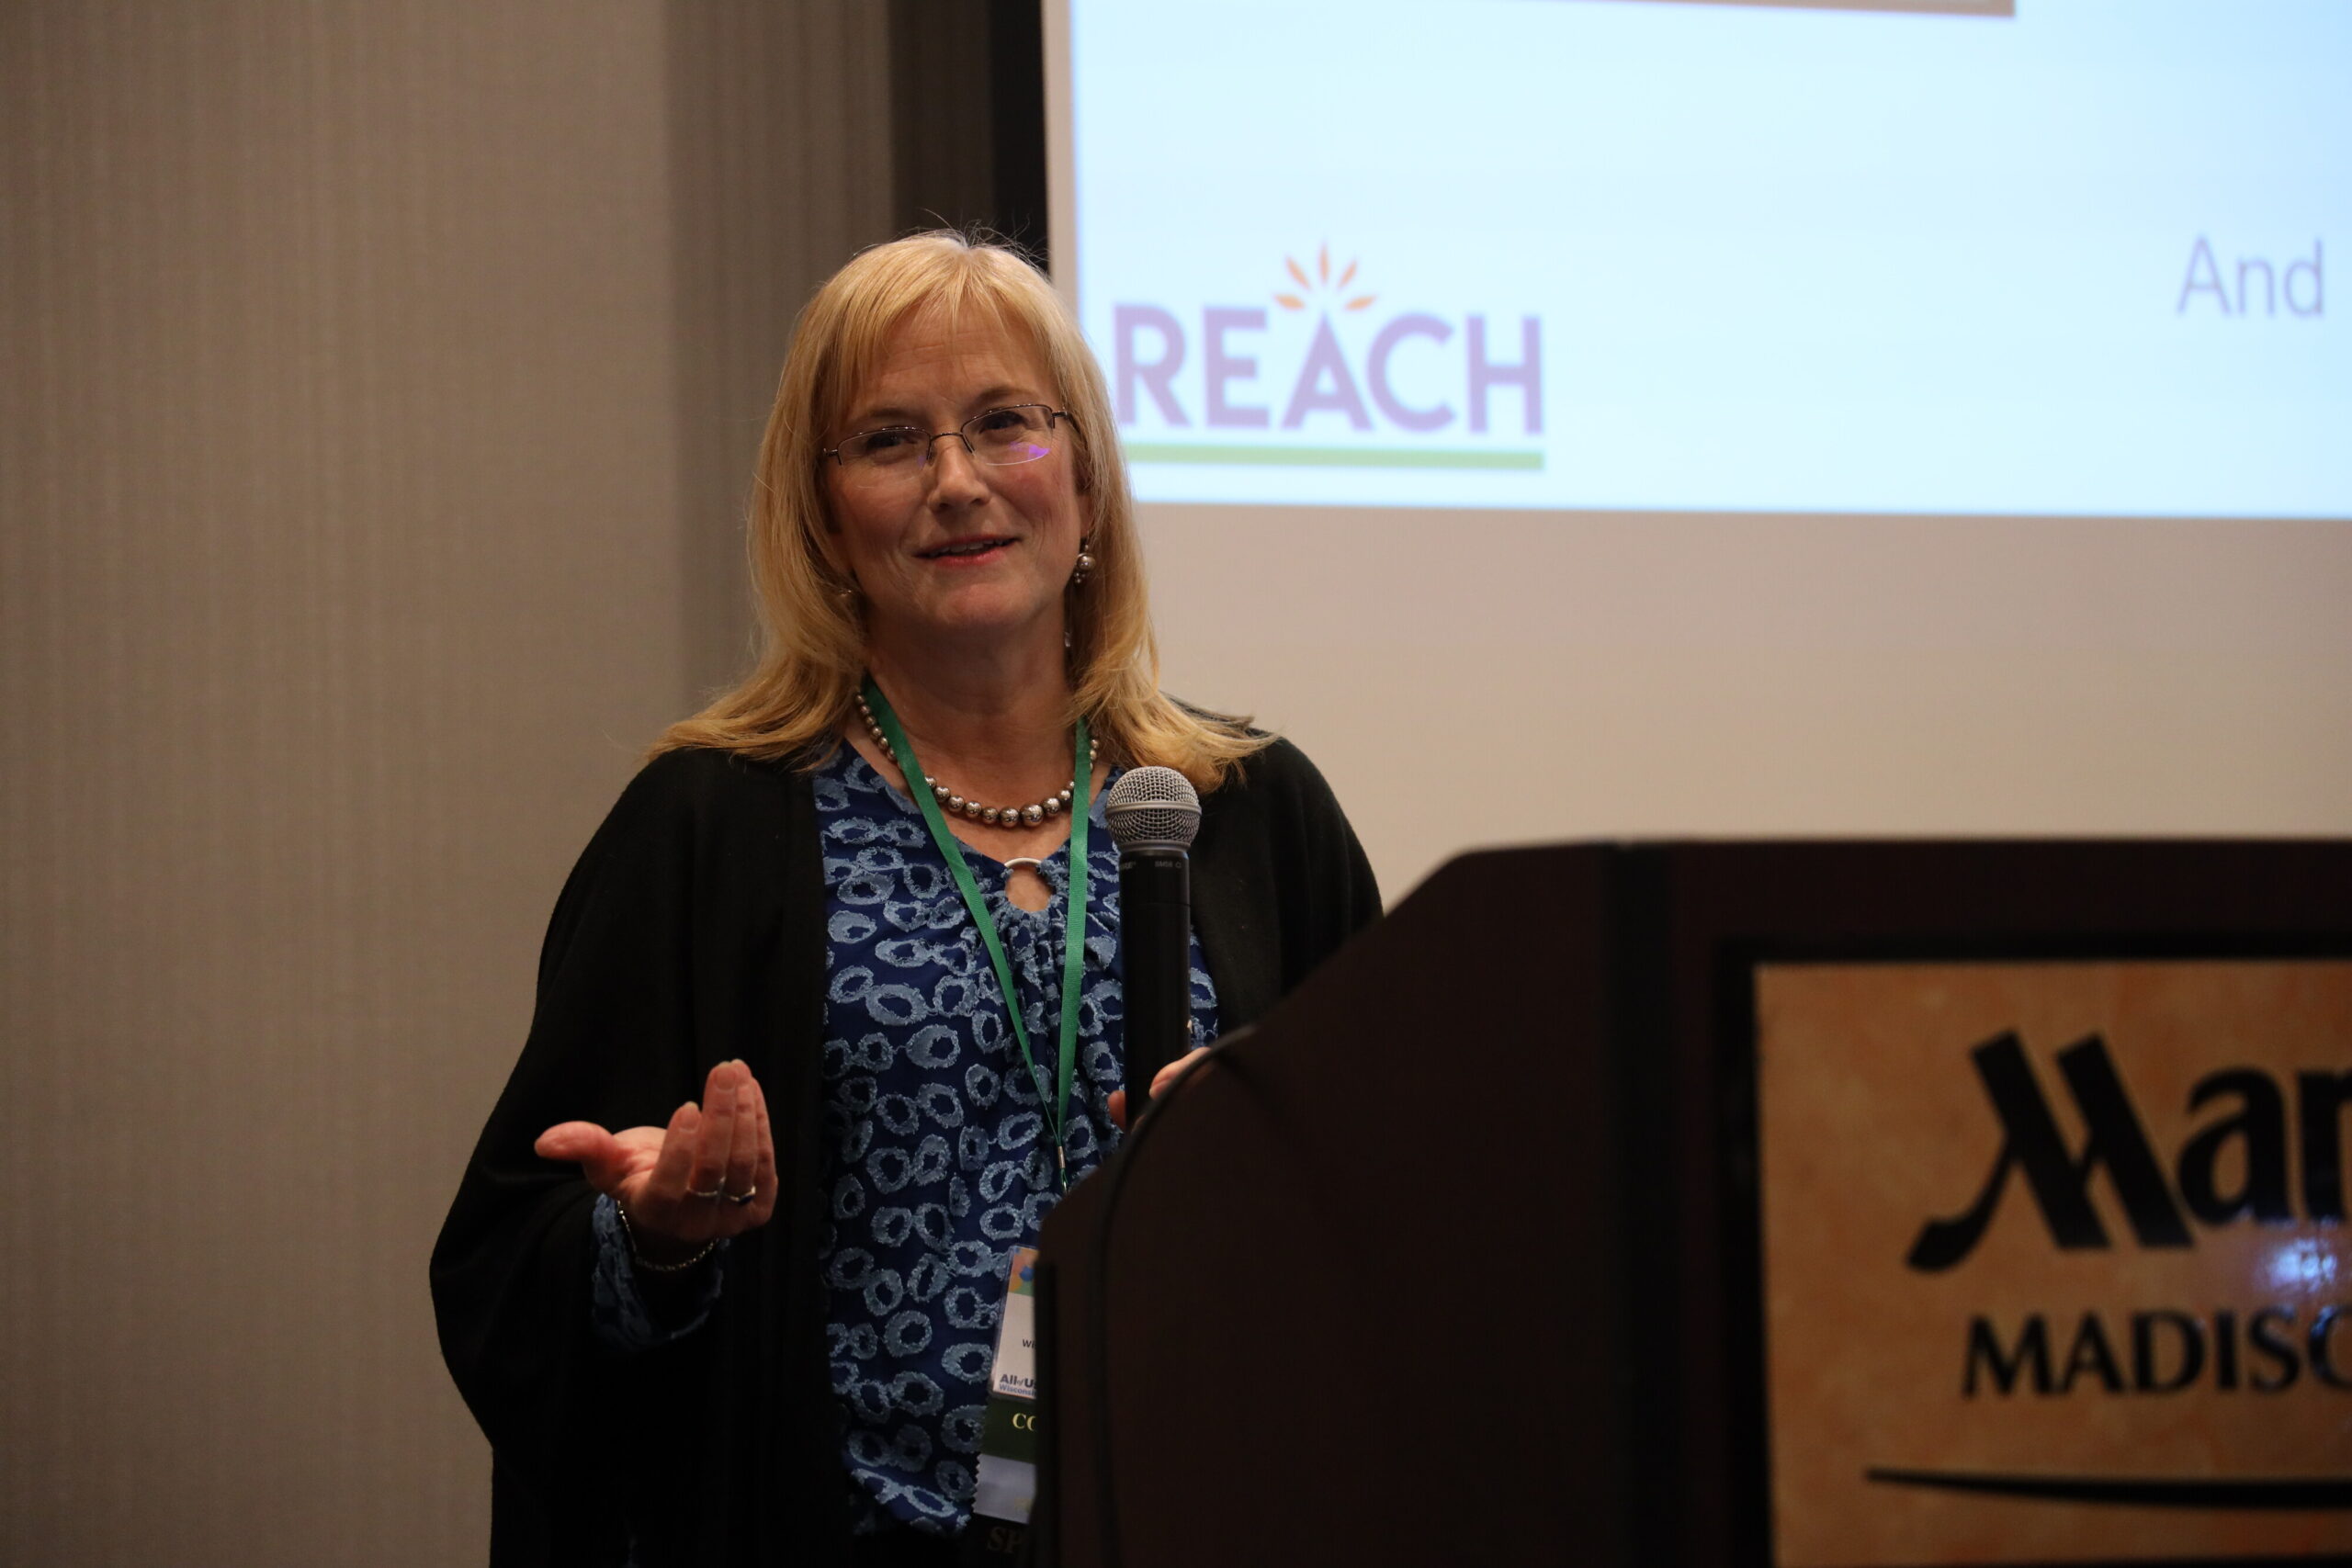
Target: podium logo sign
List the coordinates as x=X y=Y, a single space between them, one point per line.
x=2057 y=1260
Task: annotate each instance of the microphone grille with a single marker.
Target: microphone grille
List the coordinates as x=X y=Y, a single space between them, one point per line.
x=1153 y=809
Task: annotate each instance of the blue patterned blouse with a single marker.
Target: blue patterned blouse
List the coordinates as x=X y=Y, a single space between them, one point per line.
x=942 y=1161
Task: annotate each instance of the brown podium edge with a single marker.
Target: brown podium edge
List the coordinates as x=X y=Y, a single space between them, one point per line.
x=1656 y=945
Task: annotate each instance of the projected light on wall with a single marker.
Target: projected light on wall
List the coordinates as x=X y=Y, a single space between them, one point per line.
x=1945 y=258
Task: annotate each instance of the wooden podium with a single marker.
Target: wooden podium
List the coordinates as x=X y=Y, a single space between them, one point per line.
x=1817 y=1205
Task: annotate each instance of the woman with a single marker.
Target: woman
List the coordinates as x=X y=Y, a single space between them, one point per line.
x=753 y=1325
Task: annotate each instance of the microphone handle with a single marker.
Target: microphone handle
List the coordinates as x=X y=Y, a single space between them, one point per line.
x=1155 y=940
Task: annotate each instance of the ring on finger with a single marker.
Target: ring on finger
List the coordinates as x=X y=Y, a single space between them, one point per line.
x=741 y=1197
x=714 y=1192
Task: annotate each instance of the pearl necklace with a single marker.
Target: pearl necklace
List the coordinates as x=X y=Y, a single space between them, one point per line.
x=993 y=816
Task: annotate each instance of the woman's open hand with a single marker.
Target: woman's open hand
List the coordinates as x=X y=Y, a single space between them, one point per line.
x=710 y=1173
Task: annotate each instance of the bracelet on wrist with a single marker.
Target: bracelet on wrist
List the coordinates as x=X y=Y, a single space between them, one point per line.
x=630 y=1235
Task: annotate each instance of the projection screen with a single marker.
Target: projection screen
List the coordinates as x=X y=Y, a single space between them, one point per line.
x=1576 y=418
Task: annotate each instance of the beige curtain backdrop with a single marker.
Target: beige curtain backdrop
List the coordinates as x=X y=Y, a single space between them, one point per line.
x=379 y=384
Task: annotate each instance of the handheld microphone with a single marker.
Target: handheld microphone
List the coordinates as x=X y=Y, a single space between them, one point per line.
x=1153 y=813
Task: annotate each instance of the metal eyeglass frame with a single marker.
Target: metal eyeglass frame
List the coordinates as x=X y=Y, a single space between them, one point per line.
x=961 y=433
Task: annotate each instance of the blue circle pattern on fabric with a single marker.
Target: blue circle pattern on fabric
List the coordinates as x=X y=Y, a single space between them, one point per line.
x=941 y=1158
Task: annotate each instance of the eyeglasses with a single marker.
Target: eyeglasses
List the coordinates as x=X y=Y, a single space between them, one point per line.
x=1000 y=438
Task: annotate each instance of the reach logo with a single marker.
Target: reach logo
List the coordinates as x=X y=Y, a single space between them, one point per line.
x=1328 y=378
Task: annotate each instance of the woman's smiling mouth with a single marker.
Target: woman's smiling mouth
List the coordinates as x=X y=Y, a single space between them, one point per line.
x=964 y=550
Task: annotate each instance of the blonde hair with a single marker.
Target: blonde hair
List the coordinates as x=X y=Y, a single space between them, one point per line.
x=812 y=653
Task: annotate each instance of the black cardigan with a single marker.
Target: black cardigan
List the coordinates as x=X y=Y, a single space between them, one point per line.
x=692 y=930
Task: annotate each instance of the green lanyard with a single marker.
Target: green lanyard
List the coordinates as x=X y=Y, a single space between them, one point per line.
x=1073 y=939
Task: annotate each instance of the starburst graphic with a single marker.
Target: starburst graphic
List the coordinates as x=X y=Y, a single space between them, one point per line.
x=1323 y=284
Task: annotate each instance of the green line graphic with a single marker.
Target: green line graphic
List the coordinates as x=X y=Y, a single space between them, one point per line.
x=1331 y=457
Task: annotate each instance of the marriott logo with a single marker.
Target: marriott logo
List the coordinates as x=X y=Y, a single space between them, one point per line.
x=2240 y=1163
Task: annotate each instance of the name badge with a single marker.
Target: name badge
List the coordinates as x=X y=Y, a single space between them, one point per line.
x=1008 y=1475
